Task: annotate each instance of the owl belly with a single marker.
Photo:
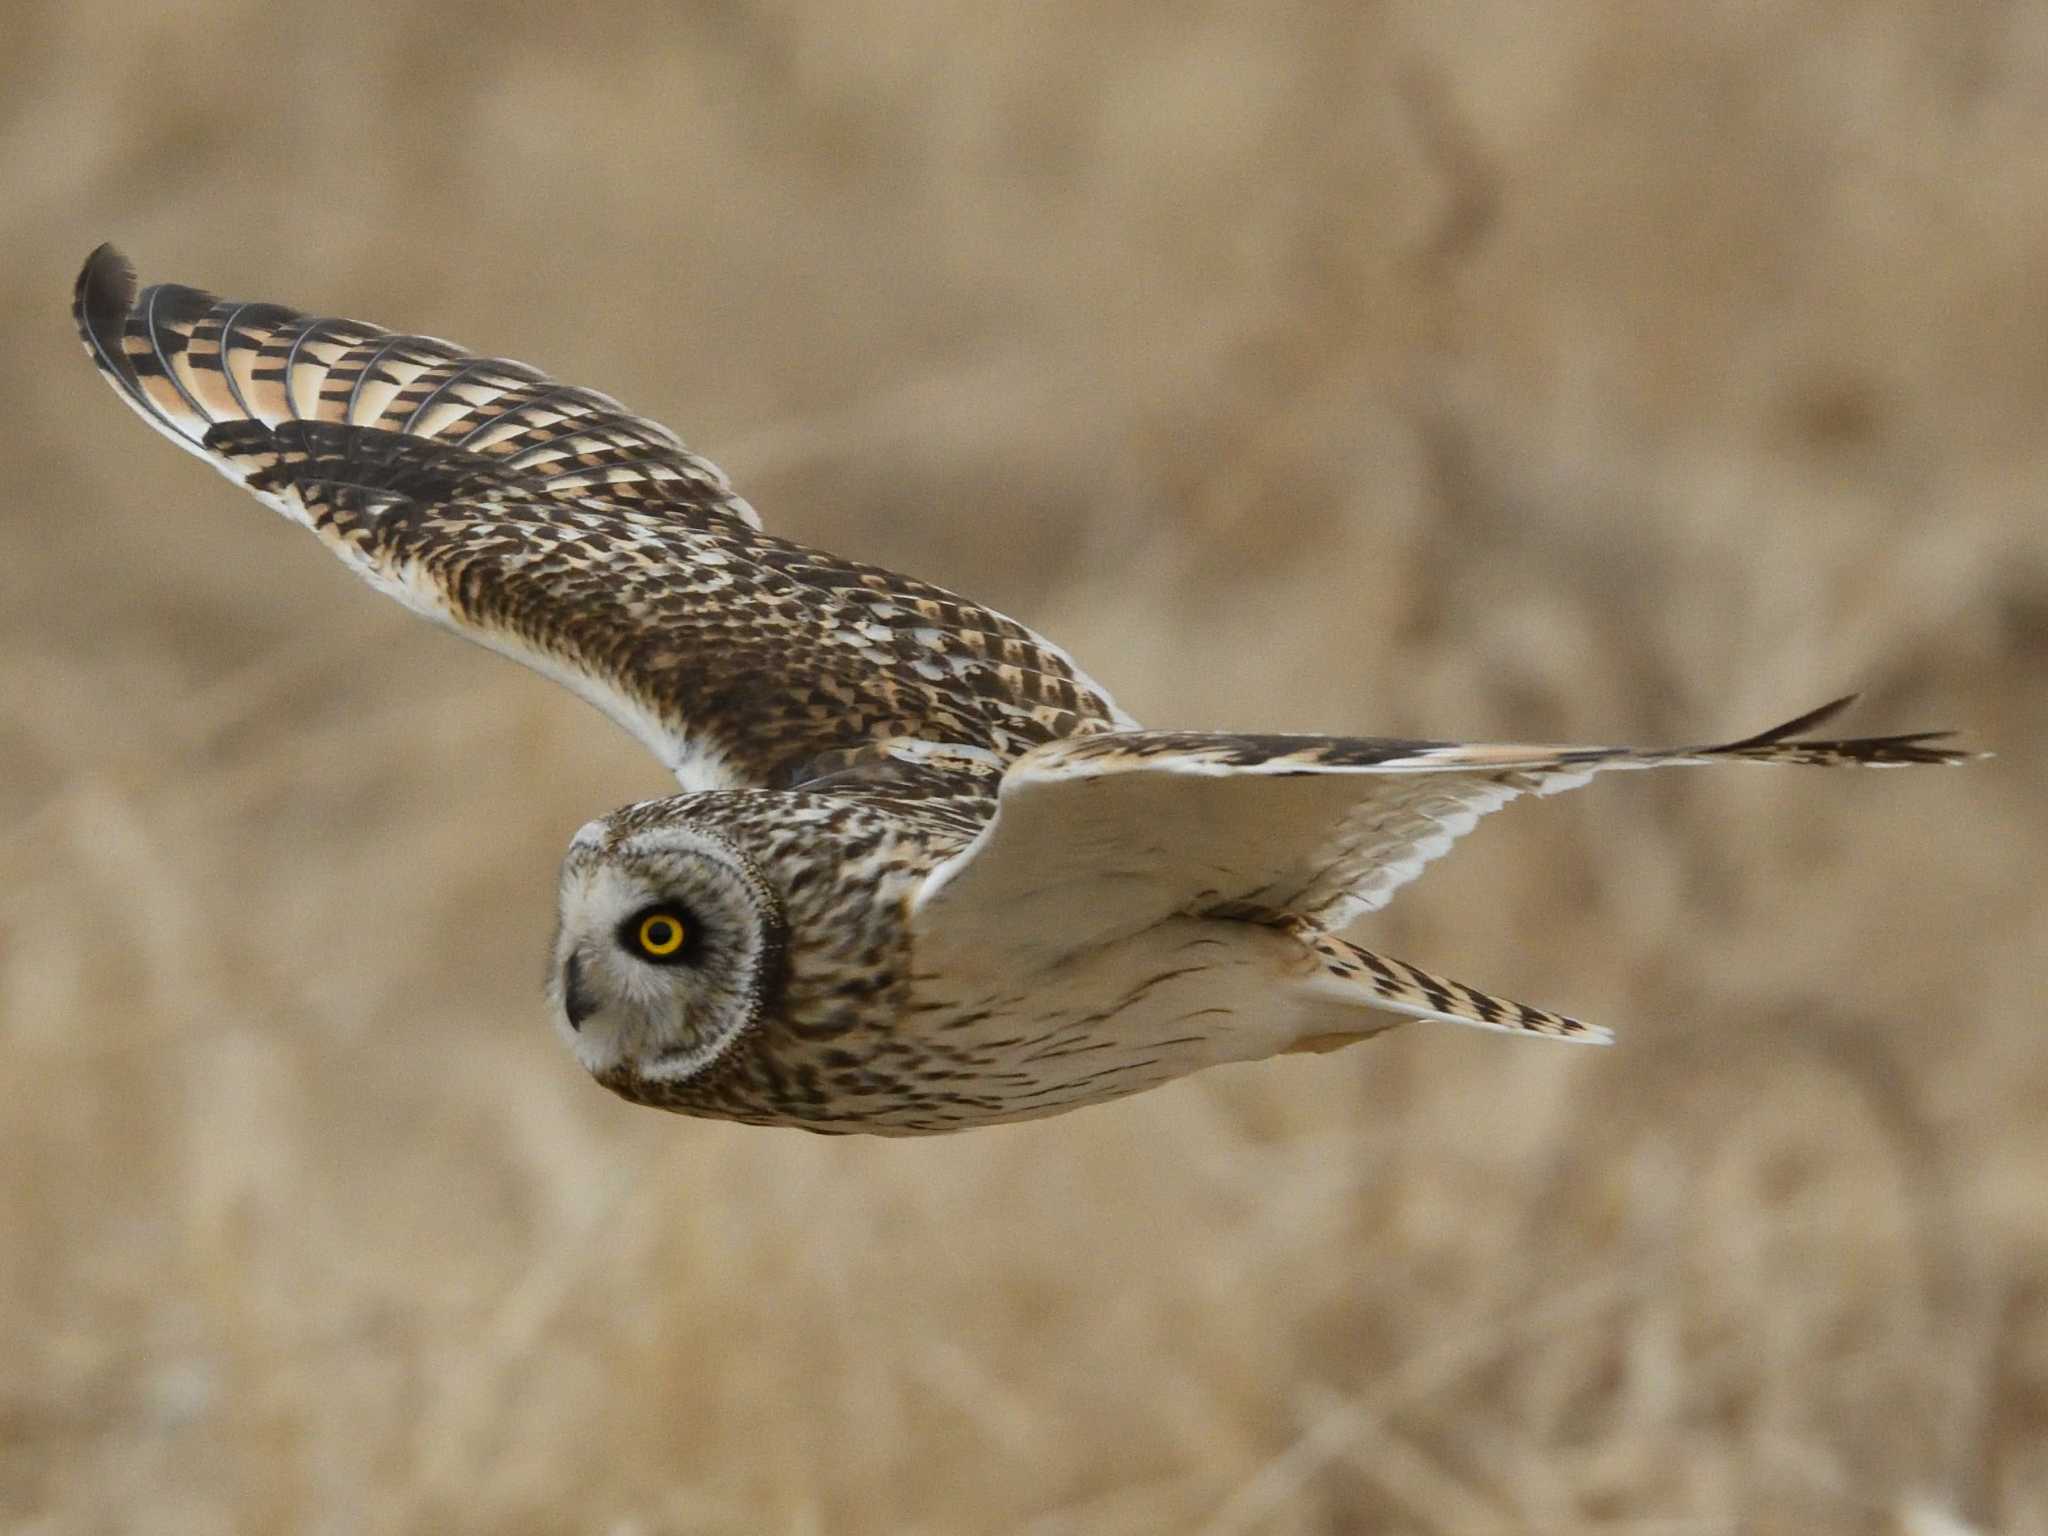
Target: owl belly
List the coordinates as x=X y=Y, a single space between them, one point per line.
x=1184 y=995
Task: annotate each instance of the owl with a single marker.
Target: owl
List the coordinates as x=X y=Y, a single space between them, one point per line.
x=923 y=874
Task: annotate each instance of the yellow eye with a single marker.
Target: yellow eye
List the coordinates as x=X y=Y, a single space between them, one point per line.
x=660 y=934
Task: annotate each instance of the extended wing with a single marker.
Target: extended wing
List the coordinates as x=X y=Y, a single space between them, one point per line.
x=549 y=524
x=1105 y=835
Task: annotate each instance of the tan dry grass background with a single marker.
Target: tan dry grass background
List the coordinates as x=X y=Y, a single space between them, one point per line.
x=1587 y=370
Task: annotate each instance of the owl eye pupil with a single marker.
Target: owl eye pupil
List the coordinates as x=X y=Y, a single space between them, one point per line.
x=659 y=935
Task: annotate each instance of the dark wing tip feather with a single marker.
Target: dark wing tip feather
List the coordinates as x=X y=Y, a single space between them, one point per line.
x=132 y=335
x=101 y=304
x=1790 y=728
x=1787 y=743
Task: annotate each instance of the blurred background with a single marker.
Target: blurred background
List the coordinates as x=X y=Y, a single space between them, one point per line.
x=1592 y=371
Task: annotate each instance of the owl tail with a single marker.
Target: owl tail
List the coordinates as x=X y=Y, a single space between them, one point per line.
x=1347 y=974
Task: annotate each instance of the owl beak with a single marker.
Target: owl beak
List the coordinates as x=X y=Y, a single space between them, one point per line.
x=577 y=1002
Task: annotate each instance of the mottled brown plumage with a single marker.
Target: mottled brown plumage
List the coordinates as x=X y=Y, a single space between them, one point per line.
x=549 y=522
x=925 y=873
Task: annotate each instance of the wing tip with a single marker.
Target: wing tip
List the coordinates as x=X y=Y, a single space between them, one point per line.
x=1790 y=728
x=101 y=302
x=1787 y=743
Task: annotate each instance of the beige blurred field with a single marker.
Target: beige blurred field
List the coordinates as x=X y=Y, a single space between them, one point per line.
x=1472 y=368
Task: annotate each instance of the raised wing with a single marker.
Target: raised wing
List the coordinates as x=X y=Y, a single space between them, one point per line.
x=548 y=523
x=189 y=362
x=1101 y=836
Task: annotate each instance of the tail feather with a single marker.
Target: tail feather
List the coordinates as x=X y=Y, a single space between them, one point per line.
x=1349 y=973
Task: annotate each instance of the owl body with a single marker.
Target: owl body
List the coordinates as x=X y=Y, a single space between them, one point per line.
x=925 y=874
x=862 y=1028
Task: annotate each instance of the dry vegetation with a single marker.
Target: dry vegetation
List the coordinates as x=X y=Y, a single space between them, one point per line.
x=1580 y=370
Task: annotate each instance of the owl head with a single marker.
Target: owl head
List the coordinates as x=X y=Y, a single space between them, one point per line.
x=671 y=946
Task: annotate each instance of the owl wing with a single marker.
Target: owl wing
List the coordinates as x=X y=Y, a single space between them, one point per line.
x=1100 y=836
x=548 y=523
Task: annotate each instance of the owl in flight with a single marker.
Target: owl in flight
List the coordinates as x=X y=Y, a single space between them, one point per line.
x=923 y=873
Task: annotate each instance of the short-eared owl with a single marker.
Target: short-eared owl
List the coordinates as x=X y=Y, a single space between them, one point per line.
x=924 y=874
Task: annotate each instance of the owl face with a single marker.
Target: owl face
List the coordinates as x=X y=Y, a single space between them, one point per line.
x=670 y=947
